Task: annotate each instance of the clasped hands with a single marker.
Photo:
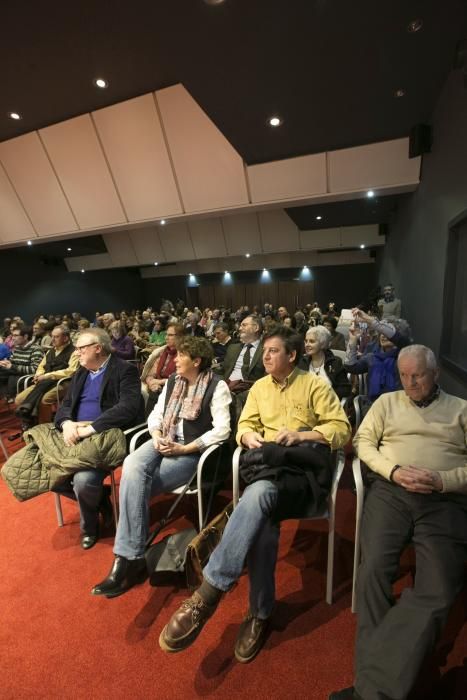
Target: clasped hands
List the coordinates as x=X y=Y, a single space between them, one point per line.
x=284 y=437
x=74 y=431
x=167 y=447
x=417 y=479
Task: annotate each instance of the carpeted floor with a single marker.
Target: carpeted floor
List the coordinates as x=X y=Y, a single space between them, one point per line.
x=58 y=641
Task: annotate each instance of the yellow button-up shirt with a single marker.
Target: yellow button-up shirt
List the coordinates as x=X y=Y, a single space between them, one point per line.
x=303 y=402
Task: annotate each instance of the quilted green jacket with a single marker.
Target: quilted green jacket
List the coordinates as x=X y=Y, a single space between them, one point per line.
x=45 y=461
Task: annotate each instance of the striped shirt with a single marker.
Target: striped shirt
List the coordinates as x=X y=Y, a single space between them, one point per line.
x=26 y=360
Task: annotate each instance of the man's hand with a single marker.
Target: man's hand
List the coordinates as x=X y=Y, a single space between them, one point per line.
x=70 y=433
x=85 y=431
x=39 y=378
x=252 y=439
x=5 y=363
x=417 y=480
x=288 y=437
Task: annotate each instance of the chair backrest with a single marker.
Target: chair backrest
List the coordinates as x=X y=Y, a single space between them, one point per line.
x=339 y=353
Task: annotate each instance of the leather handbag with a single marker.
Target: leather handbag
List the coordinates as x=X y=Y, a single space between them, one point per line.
x=202 y=546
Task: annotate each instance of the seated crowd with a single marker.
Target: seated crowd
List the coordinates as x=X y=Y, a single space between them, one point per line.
x=283 y=384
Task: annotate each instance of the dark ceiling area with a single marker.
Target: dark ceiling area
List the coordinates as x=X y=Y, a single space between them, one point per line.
x=354 y=212
x=329 y=68
x=87 y=245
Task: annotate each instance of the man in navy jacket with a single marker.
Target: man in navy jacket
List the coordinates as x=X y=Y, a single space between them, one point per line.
x=104 y=393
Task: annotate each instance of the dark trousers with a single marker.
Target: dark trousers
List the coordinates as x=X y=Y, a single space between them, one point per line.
x=393 y=638
x=86 y=488
x=8 y=381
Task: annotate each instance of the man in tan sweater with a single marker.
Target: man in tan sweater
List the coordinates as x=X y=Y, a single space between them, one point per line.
x=415 y=445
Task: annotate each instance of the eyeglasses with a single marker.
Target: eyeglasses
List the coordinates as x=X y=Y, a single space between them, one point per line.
x=81 y=347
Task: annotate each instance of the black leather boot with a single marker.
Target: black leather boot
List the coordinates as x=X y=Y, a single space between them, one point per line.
x=124 y=574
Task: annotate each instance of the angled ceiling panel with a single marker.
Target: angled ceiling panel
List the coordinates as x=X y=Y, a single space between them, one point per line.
x=278 y=232
x=132 y=138
x=209 y=171
x=120 y=247
x=147 y=246
x=324 y=238
x=288 y=179
x=101 y=261
x=36 y=184
x=361 y=235
x=208 y=238
x=376 y=165
x=78 y=160
x=176 y=242
x=242 y=234
x=14 y=224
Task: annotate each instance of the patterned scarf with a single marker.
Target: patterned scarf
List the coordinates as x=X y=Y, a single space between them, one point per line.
x=166 y=364
x=179 y=406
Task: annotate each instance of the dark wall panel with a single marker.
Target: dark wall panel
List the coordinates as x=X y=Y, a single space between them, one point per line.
x=414 y=257
x=30 y=287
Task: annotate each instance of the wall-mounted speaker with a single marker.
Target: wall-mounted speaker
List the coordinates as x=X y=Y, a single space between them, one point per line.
x=420 y=140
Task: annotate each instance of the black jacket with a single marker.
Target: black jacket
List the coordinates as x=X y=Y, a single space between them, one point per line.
x=335 y=370
x=120 y=398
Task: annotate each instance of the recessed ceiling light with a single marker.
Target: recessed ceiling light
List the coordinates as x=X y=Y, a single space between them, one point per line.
x=29 y=242
x=318 y=218
x=15 y=115
x=101 y=83
x=275 y=121
x=414 y=26
x=370 y=193
x=162 y=222
x=247 y=255
x=82 y=271
x=399 y=93
x=69 y=250
x=156 y=263
x=362 y=245
x=214 y=2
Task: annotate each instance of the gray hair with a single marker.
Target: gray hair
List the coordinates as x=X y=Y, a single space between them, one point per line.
x=64 y=330
x=99 y=335
x=322 y=335
x=400 y=324
x=419 y=351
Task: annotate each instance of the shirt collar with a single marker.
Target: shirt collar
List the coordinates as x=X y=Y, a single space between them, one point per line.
x=101 y=368
x=288 y=380
x=424 y=403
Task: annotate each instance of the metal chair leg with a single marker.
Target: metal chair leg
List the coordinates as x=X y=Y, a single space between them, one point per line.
x=58 y=509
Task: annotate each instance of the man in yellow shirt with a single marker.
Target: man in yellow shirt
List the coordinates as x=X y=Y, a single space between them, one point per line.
x=289 y=413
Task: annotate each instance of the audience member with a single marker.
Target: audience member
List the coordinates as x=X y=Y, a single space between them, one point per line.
x=159 y=366
x=192 y=414
x=24 y=359
x=243 y=363
x=414 y=443
x=222 y=341
x=320 y=360
x=104 y=393
x=388 y=305
x=337 y=339
x=122 y=345
x=272 y=434
x=158 y=335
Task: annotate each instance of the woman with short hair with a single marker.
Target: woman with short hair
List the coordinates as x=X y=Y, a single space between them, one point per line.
x=321 y=361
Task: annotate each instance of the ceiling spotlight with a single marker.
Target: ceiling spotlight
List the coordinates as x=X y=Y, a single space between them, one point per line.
x=29 y=242
x=318 y=218
x=362 y=245
x=247 y=255
x=156 y=263
x=69 y=250
x=370 y=193
x=399 y=93
x=214 y=2
x=101 y=83
x=275 y=121
x=226 y=272
x=162 y=222
x=15 y=115
x=82 y=272
x=414 y=26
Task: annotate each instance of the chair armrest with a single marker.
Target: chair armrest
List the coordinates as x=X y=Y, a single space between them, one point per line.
x=199 y=479
x=133 y=435
x=235 y=474
x=25 y=379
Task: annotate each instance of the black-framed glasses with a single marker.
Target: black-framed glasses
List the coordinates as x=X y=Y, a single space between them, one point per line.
x=81 y=347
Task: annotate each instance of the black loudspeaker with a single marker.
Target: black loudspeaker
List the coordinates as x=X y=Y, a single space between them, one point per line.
x=420 y=140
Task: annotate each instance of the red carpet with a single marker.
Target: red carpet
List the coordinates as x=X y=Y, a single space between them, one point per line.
x=58 y=641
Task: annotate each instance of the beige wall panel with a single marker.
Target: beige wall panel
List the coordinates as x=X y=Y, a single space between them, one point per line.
x=322 y=238
x=14 y=224
x=77 y=157
x=176 y=242
x=120 y=247
x=34 y=180
x=208 y=238
x=147 y=246
x=100 y=261
x=132 y=137
x=375 y=165
x=278 y=232
x=209 y=171
x=204 y=267
x=356 y=235
x=242 y=234
x=288 y=179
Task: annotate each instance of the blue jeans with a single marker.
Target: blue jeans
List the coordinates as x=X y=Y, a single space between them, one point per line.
x=146 y=473
x=86 y=488
x=250 y=536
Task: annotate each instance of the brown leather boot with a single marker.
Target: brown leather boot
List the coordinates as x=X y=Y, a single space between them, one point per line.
x=185 y=624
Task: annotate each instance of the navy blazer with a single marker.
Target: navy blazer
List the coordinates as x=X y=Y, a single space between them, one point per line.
x=120 y=397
